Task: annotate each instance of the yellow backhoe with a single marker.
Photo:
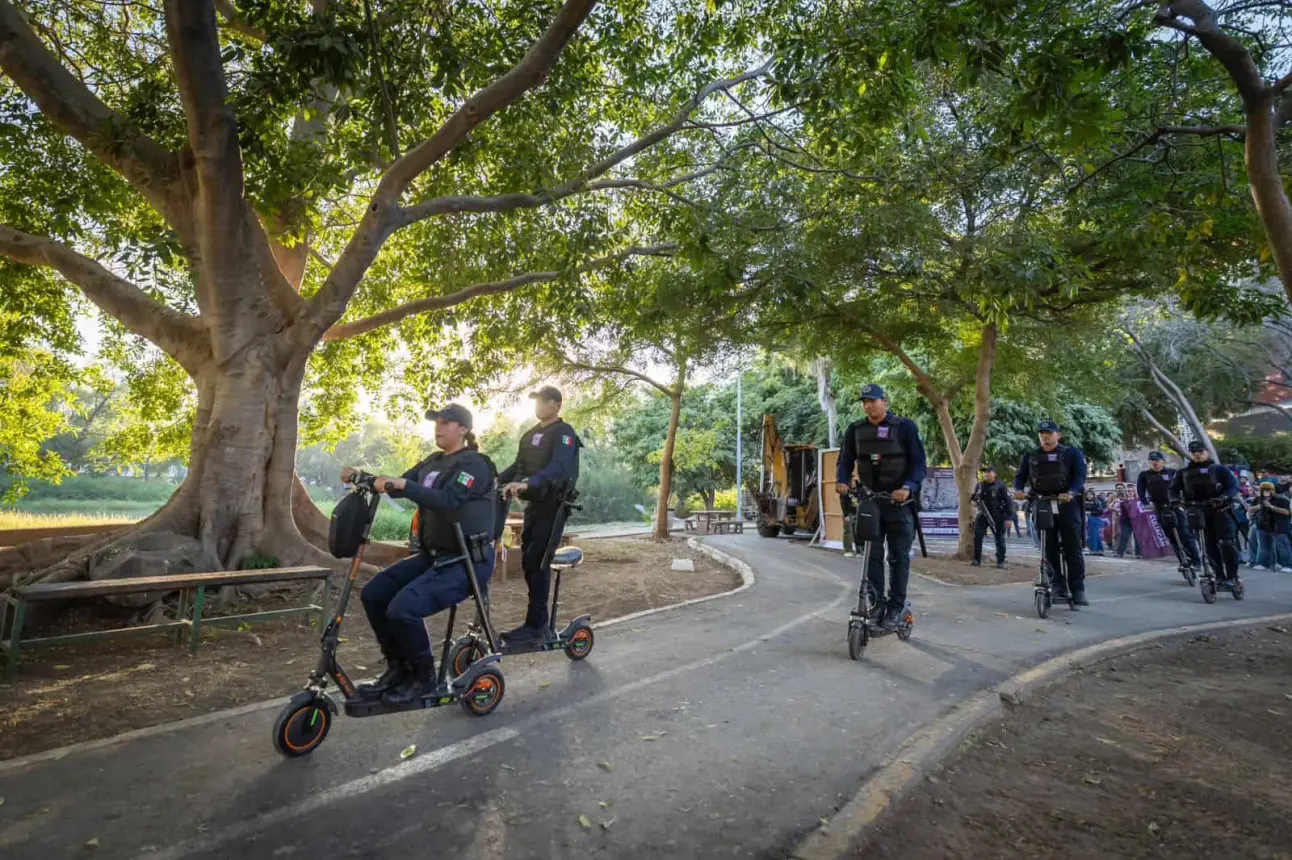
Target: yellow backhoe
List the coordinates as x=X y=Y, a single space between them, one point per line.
x=786 y=494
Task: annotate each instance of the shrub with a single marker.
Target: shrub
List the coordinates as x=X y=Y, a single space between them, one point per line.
x=1262 y=454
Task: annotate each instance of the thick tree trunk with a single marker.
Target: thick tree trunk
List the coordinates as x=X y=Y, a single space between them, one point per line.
x=1262 y=158
x=666 y=465
x=971 y=458
x=825 y=396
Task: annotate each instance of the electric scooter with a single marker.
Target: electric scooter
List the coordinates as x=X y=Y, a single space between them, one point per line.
x=575 y=639
x=1047 y=511
x=863 y=622
x=1208 y=582
x=305 y=720
x=1168 y=518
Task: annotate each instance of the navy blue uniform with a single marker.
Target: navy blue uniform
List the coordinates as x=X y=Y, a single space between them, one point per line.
x=1062 y=470
x=447 y=488
x=1155 y=488
x=548 y=462
x=1207 y=483
x=995 y=501
x=887 y=456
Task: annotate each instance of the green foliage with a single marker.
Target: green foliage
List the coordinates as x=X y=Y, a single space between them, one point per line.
x=1262 y=454
x=607 y=490
x=32 y=385
x=259 y=561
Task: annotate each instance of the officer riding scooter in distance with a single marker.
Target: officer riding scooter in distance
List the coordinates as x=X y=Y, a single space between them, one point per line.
x=885 y=454
x=1054 y=475
x=306 y=719
x=1154 y=486
x=1208 y=490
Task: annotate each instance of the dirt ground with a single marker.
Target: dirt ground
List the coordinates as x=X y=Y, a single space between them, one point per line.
x=1180 y=751
x=74 y=693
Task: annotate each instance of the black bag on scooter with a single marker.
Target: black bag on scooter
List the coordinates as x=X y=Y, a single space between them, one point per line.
x=1166 y=519
x=1197 y=519
x=345 y=531
x=1044 y=516
x=866 y=525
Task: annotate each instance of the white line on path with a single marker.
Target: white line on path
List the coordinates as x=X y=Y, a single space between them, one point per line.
x=421 y=764
x=444 y=755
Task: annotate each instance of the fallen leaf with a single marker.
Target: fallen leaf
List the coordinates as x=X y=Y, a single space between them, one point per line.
x=290 y=662
x=1152 y=827
x=409 y=751
x=605 y=825
x=603 y=804
x=823 y=821
x=1110 y=743
x=1277 y=629
x=372 y=770
x=343 y=639
x=362 y=668
x=1090 y=780
x=62 y=666
x=189 y=693
x=544 y=683
x=145 y=667
x=508 y=767
x=1274 y=712
x=93 y=843
x=649 y=738
x=584 y=821
x=606 y=766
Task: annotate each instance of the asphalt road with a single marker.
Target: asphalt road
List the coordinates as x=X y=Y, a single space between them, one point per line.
x=725 y=729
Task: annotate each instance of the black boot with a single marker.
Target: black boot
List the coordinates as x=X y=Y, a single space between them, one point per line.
x=420 y=682
x=975 y=563
x=1079 y=596
x=396 y=673
x=1060 y=587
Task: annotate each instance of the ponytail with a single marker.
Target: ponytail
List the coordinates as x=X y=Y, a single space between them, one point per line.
x=470 y=442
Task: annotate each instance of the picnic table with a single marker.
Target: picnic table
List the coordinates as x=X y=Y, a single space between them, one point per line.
x=510 y=560
x=714 y=523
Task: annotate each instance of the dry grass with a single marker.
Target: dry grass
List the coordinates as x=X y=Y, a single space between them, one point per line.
x=11 y=519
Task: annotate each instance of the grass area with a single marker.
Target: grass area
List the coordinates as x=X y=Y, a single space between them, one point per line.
x=11 y=519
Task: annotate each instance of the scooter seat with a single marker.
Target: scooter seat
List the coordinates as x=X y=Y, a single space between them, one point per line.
x=566 y=558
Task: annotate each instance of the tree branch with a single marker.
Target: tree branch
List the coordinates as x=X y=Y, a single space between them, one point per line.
x=584 y=181
x=1173 y=440
x=70 y=106
x=616 y=369
x=234 y=20
x=384 y=215
x=178 y=335
x=394 y=315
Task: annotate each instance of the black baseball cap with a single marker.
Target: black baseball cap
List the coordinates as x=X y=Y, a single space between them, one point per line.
x=988 y=468
x=453 y=412
x=1196 y=445
x=872 y=392
x=1047 y=427
x=1156 y=455
x=547 y=392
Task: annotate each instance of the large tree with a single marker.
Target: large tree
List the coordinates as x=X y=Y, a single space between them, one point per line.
x=239 y=188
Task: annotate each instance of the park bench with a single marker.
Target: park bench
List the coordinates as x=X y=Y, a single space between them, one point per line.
x=192 y=590
x=726 y=527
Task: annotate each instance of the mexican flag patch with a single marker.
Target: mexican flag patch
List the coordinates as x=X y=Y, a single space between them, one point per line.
x=466 y=480
x=566 y=440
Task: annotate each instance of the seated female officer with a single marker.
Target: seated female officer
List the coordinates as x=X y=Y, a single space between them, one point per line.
x=455 y=484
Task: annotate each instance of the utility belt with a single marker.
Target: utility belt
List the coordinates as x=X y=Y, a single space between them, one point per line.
x=549 y=494
x=479 y=546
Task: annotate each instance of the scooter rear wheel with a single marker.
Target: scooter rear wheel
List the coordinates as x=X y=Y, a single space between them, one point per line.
x=301 y=726
x=485 y=693
x=1208 y=590
x=1239 y=591
x=858 y=637
x=1190 y=575
x=465 y=653
x=580 y=644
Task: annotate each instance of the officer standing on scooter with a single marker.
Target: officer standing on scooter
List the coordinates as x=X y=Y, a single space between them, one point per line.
x=1205 y=481
x=545 y=471
x=1154 y=486
x=992 y=499
x=888 y=456
x=453 y=485
x=1057 y=470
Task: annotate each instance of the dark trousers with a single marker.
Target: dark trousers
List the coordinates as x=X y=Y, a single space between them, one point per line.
x=1125 y=535
x=1063 y=543
x=1181 y=538
x=398 y=599
x=1222 y=542
x=980 y=525
x=543 y=527
x=897 y=524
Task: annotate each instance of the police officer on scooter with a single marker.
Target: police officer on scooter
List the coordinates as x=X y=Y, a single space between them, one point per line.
x=545 y=471
x=1057 y=470
x=992 y=499
x=453 y=485
x=1154 y=486
x=1208 y=482
x=888 y=456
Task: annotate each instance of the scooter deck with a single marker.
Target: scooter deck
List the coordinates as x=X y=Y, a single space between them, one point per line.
x=550 y=642
x=360 y=707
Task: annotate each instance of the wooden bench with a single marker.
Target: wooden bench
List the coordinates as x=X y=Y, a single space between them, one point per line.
x=726 y=527
x=192 y=590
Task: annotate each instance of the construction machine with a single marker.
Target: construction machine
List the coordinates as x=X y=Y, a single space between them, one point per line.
x=787 y=487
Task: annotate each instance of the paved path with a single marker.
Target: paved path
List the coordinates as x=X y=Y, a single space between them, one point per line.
x=728 y=729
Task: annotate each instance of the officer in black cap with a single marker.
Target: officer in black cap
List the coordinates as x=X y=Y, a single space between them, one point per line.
x=1203 y=481
x=1154 y=485
x=544 y=475
x=453 y=485
x=992 y=499
x=1057 y=470
x=888 y=457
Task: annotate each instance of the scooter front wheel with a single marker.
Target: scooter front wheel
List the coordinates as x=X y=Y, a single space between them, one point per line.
x=1208 y=591
x=1190 y=575
x=857 y=640
x=580 y=644
x=484 y=694
x=1042 y=604
x=301 y=726
x=1239 y=591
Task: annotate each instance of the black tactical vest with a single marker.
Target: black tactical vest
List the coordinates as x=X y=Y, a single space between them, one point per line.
x=1158 y=485
x=435 y=527
x=1050 y=475
x=881 y=460
x=536 y=448
x=1200 y=482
